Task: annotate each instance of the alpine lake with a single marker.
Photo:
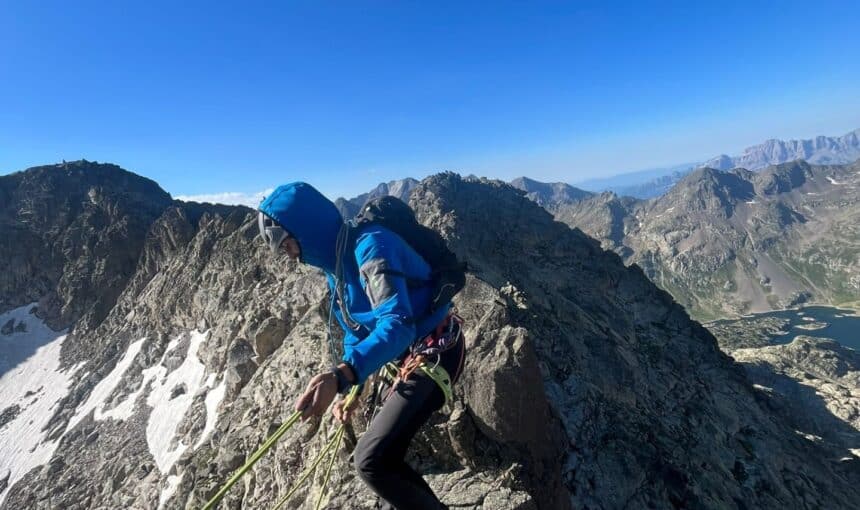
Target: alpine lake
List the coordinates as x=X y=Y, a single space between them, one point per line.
x=783 y=326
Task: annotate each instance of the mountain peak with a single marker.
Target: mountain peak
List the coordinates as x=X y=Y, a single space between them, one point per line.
x=400 y=188
x=69 y=218
x=710 y=189
x=82 y=175
x=549 y=195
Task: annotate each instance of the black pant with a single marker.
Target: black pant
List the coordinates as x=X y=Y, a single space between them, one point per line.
x=380 y=451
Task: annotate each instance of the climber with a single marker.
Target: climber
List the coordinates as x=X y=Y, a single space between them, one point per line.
x=372 y=274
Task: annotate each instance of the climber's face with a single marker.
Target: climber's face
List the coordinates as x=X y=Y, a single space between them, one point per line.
x=291 y=247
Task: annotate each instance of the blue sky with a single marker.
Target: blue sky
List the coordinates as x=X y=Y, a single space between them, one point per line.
x=209 y=97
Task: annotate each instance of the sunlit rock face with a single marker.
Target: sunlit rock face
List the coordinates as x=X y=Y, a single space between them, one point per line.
x=585 y=386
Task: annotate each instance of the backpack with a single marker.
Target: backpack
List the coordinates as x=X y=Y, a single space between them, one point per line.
x=447 y=274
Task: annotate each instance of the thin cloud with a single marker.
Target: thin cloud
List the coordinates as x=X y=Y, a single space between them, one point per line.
x=251 y=200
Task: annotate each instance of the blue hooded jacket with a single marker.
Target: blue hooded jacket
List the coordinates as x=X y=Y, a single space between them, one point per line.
x=387 y=315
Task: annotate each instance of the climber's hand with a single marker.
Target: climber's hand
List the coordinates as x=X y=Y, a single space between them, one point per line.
x=342 y=413
x=320 y=392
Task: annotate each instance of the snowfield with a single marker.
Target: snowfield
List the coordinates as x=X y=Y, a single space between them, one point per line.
x=32 y=383
x=103 y=390
x=166 y=413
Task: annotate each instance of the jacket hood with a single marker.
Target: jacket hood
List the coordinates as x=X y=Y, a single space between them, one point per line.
x=309 y=217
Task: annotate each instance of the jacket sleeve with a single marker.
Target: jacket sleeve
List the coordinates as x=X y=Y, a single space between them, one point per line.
x=379 y=256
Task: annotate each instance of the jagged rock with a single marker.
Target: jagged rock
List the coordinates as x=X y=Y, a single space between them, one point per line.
x=179 y=389
x=269 y=336
x=8 y=328
x=240 y=364
x=8 y=414
x=817 y=381
x=400 y=189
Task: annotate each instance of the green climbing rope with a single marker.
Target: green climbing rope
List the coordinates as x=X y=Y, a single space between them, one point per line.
x=253 y=459
x=308 y=472
x=334 y=443
x=339 y=437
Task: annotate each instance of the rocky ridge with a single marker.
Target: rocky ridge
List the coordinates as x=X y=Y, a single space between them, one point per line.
x=400 y=188
x=586 y=386
x=72 y=233
x=550 y=196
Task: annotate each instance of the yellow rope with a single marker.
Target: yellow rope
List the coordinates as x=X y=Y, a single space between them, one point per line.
x=334 y=442
x=339 y=436
x=252 y=460
x=308 y=472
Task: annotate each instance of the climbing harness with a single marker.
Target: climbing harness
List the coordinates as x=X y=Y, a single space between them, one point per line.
x=445 y=337
x=334 y=443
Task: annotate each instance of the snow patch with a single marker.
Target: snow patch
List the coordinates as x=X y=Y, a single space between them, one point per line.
x=751 y=202
x=810 y=437
x=105 y=387
x=168 y=412
x=213 y=399
x=32 y=379
x=169 y=491
x=834 y=181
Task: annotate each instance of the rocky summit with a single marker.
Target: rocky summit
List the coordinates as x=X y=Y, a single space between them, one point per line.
x=586 y=386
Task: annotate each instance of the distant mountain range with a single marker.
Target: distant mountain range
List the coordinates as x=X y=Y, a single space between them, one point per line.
x=822 y=150
x=732 y=242
x=550 y=195
x=641 y=184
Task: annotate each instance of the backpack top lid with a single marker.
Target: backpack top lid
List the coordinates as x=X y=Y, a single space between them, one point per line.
x=387 y=210
x=448 y=275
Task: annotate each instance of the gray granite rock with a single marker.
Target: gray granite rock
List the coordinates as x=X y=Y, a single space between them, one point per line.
x=269 y=336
